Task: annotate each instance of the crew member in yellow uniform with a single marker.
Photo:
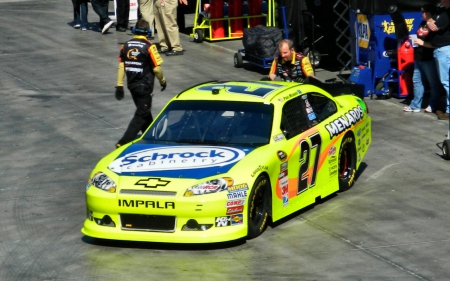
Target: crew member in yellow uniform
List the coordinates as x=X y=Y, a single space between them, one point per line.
x=290 y=65
x=140 y=61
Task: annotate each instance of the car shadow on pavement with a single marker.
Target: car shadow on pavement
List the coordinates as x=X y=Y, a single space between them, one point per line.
x=161 y=246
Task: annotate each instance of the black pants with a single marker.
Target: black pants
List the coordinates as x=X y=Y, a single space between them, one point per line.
x=142 y=117
x=101 y=8
x=122 y=13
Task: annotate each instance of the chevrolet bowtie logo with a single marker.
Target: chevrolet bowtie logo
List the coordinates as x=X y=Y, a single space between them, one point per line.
x=152 y=182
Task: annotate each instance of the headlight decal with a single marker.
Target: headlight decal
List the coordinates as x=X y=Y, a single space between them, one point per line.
x=103 y=182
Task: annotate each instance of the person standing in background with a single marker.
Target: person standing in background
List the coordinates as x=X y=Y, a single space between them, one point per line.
x=146 y=10
x=165 y=12
x=441 y=43
x=80 y=11
x=101 y=9
x=425 y=68
x=122 y=15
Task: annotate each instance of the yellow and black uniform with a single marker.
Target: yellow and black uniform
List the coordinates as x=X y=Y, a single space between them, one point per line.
x=296 y=70
x=140 y=61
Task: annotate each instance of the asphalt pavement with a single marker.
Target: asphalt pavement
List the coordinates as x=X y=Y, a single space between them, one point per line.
x=59 y=117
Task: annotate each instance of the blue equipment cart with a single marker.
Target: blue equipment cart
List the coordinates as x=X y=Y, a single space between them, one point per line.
x=374 y=50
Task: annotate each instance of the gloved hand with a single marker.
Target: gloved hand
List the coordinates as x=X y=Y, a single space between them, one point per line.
x=119 y=93
x=163 y=85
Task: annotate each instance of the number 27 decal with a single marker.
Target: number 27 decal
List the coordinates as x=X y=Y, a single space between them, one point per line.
x=305 y=152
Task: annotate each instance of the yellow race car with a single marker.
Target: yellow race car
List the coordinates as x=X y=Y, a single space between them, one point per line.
x=224 y=159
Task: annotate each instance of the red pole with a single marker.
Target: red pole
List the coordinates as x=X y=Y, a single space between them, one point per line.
x=216 y=11
x=235 y=10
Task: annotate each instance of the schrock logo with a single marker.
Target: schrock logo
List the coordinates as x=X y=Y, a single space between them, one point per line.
x=344 y=122
x=176 y=158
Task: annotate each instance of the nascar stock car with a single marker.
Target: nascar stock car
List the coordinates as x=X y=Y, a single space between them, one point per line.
x=224 y=159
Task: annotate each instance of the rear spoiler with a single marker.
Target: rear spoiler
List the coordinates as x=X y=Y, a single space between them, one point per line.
x=337 y=88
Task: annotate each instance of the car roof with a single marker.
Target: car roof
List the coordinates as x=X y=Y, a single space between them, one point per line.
x=254 y=91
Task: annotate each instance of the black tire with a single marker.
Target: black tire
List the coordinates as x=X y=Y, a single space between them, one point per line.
x=238 y=60
x=198 y=36
x=258 y=207
x=314 y=57
x=380 y=87
x=446 y=149
x=347 y=163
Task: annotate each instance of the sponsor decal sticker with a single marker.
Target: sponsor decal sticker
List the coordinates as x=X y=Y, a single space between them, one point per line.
x=283 y=166
x=259 y=169
x=237 y=219
x=234 y=203
x=176 y=158
x=235 y=210
x=332 y=150
x=238 y=187
x=237 y=195
x=284 y=190
x=278 y=137
x=281 y=155
x=312 y=116
x=223 y=221
x=345 y=121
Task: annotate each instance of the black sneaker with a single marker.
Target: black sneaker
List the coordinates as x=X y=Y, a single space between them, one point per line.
x=121 y=29
x=162 y=51
x=106 y=27
x=174 y=53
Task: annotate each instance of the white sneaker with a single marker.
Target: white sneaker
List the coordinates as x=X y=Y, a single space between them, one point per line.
x=106 y=27
x=77 y=26
x=409 y=109
x=84 y=28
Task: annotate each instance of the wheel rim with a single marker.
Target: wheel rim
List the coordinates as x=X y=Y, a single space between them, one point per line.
x=196 y=36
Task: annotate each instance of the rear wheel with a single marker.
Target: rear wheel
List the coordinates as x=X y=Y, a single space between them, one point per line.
x=314 y=57
x=258 y=207
x=238 y=60
x=445 y=149
x=347 y=163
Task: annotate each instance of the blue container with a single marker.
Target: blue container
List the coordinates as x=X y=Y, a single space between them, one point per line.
x=362 y=76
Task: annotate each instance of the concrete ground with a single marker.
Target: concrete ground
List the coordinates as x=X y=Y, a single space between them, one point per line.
x=59 y=117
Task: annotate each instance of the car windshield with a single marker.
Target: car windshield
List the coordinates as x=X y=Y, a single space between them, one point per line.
x=213 y=123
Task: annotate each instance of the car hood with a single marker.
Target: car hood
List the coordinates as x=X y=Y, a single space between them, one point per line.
x=177 y=161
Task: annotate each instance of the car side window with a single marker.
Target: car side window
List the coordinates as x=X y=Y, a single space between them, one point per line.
x=322 y=106
x=294 y=119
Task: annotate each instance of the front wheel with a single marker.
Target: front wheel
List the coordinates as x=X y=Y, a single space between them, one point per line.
x=347 y=163
x=258 y=207
x=198 y=36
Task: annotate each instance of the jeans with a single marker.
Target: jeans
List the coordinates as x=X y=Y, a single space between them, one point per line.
x=80 y=10
x=442 y=58
x=101 y=8
x=425 y=71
